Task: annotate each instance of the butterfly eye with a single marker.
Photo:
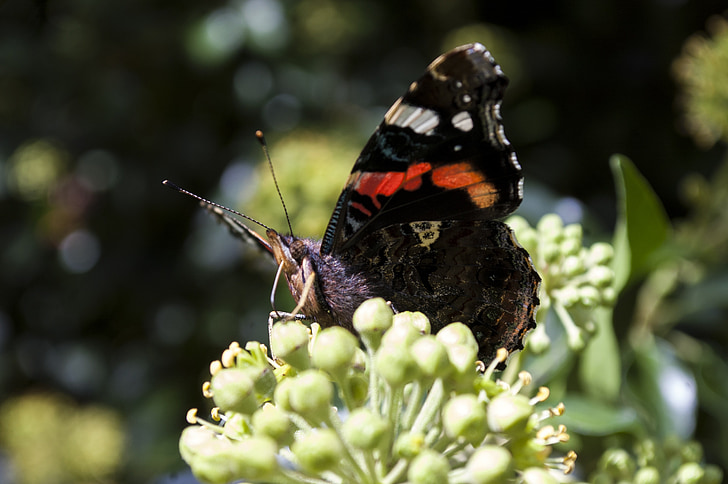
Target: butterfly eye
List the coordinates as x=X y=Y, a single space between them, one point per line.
x=298 y=250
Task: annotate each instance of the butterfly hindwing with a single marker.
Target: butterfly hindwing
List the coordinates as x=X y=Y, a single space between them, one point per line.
x=468 y=271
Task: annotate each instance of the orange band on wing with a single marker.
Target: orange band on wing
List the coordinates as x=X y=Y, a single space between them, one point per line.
x=456 y=176
x=462 y=175
x=374 y=184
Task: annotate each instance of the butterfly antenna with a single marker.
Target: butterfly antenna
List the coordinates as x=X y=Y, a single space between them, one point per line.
x=204 y=200
x=264 y=144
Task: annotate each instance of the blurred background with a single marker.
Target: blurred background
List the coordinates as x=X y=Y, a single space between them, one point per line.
x=115 y=292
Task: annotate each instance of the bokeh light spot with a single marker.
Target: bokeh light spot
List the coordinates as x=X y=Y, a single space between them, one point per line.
x=283 y=112
x=225 y=30
x=34 y=168
x=252 y=82
x=266 y=22
x=79 y=251
x=98 y=170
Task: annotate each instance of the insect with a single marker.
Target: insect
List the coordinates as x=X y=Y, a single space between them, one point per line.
x=417 y=222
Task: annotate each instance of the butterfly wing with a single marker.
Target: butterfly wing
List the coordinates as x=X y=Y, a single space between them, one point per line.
x=439 y=154
x=468 y=271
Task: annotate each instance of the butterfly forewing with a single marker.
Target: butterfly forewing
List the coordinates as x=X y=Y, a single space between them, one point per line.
x=439 y=154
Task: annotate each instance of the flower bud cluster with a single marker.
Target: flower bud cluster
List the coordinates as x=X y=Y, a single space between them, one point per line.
x=576 y=280
x=652 y=463
x=413 y=407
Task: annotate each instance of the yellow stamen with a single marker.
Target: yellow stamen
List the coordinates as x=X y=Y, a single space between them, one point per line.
x=191 y=416
x=228 y=358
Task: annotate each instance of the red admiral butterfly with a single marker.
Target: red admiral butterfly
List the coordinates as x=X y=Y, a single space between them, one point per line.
x=415 y=223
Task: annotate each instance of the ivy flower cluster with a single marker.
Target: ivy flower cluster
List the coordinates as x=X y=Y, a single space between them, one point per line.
x=410 y=407
x=653 y=462
x=576 y=280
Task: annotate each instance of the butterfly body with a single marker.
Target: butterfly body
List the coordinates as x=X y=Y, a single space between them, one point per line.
x=338 y=289
x=416 y=222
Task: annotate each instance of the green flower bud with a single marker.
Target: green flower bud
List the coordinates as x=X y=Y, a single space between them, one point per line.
x=264 y=381
x=713 y=475
x=589 y=296
x=570 y=248
x=600 y=254
x=463 y=417
x=429 y=467
x=255 y=458
x=537 y=475
x=509 y=413
x=489 y=464
x=409 y=444
x=550 y=251
x=568 y=296
x=462 y=349
x=194 y=440
x=415 y=319
x=395 y=364
x=600 y=276
x=318 y=450
x=401 y=334
x=218 y=460
x=233 y=390
x=527 y=452
x=551 y=227
x=236 y=427
x=691 y=452
x=282 y=394
x=371 y=320
x=609 y=296
x=333 y=350
x=617 y=463
x=272 y=422
x=646 y=451
x=289 y=342
x=572 y=266
x=689 y=473
x=365 y=429
x=430 y=355
x=311 y=395
x=358 y=386
x=206 y=454
x=574 y=232
x=647 y=475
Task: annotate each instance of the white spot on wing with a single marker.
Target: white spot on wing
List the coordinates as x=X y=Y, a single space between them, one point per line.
x=462 y=121
x=418 y=119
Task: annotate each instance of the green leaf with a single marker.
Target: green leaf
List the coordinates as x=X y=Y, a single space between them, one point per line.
x=664 y=388
x=592 y=416
x=642 y=224
x=600 y=367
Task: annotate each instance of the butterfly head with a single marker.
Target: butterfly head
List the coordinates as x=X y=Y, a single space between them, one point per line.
x=296 y=256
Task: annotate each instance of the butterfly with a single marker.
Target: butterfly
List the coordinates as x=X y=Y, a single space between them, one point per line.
x=417 y=222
